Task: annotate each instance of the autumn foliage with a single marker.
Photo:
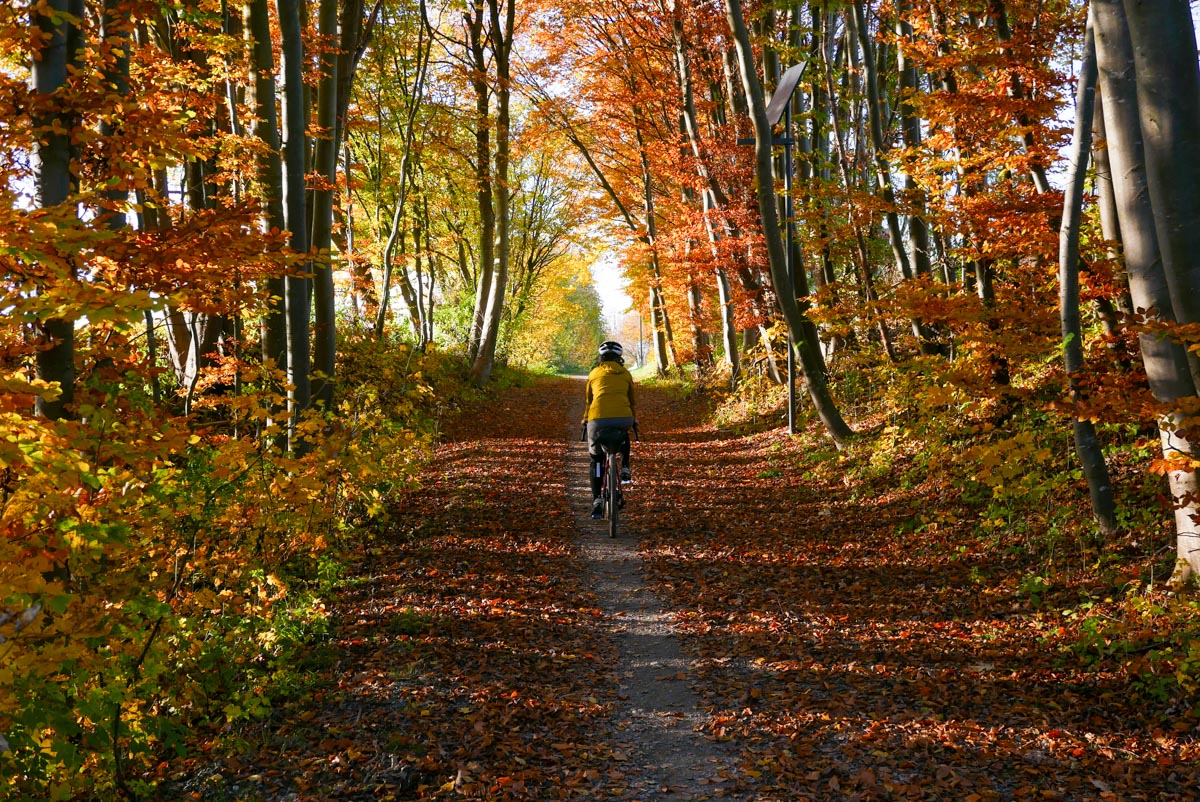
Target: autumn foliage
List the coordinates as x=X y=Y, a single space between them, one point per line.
x=191 y=456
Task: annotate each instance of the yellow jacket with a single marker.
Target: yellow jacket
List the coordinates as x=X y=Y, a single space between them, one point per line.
x=609 y=392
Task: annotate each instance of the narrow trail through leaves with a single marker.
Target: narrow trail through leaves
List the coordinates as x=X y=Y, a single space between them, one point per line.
x=495 y=644
x=658 y=715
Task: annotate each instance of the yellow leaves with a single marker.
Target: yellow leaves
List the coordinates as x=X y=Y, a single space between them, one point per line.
x=20 y=384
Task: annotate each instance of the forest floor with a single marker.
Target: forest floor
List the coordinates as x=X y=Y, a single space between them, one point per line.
x=763 y=630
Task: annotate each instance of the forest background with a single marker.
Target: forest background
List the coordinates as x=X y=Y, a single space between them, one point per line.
x=252 y=254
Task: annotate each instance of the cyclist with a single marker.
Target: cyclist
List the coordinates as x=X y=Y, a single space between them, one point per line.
x=609 y=406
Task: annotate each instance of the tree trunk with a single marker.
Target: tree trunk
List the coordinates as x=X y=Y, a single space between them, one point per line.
x=910 y=132
x=257 y=27
x=1110 y=224
x=809 y=356
x=51 y=162
x=861 y=252
x=295 y=207
x=502 y=38
x=483 y=179
x=664 y=350
x=729 y=337
x=879 y=144
x=713 y=200
x=1087 y=446
x=1016 y=90
x=1161 y=39
x=325 y=353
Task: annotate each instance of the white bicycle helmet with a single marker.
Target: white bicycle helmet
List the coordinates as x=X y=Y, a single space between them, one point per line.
x=611 y=348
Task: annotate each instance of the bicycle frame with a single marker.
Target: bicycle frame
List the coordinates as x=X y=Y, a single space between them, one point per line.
x=610 y=482
x=611 y=488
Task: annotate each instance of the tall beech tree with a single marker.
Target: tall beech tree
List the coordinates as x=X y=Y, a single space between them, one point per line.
x=1168 y=101
x=1087 y=445
x=325 y=162
x=295 y=153
x=501 y=18
x=57 y=37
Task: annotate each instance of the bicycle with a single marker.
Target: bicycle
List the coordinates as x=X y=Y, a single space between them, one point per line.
x=611 y=442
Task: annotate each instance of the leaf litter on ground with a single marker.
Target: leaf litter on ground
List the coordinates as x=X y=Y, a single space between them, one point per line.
x=841 y=651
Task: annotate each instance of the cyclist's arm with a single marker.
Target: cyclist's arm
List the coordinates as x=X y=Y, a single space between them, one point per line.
x=588 y=405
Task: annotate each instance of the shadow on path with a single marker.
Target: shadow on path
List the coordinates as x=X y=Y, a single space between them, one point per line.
x=659 y=719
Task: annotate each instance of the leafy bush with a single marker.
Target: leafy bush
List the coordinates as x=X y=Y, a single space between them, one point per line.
x=163 y=571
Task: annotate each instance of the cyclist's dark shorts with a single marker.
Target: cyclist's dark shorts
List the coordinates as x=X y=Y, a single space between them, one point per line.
x=594 y=427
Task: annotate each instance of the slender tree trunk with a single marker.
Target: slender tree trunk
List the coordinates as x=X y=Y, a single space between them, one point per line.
x=1087 y=445
x=809 y=357
x=910 y=132
x=861 y=251
x=729 y=338
x=1110 y=224
x=257 y=27
x=1016 y=90
x=712 y=197
x=879 y=143
x=295 y=148
x=983 y=268
x=483 y=179
x=325 y=352
x=664 y=350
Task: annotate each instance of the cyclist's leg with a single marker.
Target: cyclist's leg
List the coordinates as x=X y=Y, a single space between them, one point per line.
x=595 y=466
x=594 y=474
x=595 y=459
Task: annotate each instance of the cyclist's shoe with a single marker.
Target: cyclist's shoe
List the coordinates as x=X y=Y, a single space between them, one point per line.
x=597 y=508
x=625 y=475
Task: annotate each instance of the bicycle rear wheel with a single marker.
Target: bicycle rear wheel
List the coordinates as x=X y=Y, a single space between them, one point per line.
x=614 y=493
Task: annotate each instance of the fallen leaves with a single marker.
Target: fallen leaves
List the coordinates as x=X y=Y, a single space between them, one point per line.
x=842 y=654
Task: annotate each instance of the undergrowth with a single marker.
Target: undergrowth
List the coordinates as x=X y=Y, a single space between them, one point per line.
x=166 y=577
x=1004 y=487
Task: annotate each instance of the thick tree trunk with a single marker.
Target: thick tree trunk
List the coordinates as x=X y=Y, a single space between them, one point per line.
x=51 y=159
x=664 y=351
x=1087 y=446
x=701 y=346
x=1161 y=48
x=502 y=38
x=809 y=356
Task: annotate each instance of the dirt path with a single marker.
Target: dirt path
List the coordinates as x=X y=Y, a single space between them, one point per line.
x=659 y=717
